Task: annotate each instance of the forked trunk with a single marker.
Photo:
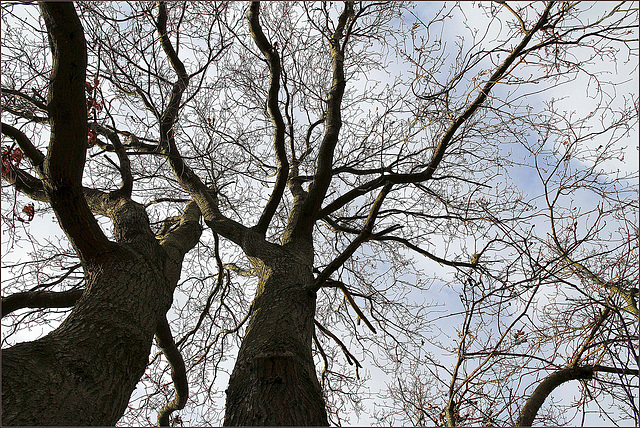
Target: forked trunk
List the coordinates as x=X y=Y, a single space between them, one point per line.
x=274 y=380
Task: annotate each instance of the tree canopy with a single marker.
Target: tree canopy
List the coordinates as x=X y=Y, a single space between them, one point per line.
x=325 y=213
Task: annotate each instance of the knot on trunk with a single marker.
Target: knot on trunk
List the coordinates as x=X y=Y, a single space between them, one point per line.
x=277 y=368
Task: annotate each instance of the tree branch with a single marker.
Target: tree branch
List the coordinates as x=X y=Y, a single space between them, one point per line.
x=39 y=104
x=363 y=236
x=25 y=114
x=64 y=163
x=433 y=257
x=322 y=178
x=350 y=358
x=184 y=237
x=446 y=138
x=178 y=371
x=31 y=152
x=542 y=391
x=271 y=54
x=347 y=294
x=39 y=299
x=125 y=165
x=26 y=183
x=186 y=177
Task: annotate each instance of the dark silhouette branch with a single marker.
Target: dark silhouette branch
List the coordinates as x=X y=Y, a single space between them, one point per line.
x=363 y=236
x=178 y=371
x=25 y=114
x=322 y=178
x=37 y=103
x=350 y=358
x=502 y=71
x=408 y=244
x=39 y=299
x=226 y=227
x=347 y=294
x=273 y=59
x=31 y=152
x=546 y=387
x=64 y=163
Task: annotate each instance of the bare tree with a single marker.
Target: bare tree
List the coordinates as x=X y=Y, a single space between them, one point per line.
x=323 y=190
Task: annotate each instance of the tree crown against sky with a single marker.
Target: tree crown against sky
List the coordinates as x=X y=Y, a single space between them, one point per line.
x=460 y=181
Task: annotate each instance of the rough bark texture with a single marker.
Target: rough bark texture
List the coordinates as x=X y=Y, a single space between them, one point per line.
x=83 y=373
x=274 y=380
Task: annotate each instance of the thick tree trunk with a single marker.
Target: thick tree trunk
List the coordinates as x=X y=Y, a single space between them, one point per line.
x=83 y=373
x=274 y=380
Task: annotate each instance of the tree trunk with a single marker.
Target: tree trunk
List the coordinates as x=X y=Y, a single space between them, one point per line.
x=274 y=380
x=83 y=373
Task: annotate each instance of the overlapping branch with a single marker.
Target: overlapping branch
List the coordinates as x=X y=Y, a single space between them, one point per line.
x=228 y=228
x=364 y=235
x=322 y=178
x=448 y=135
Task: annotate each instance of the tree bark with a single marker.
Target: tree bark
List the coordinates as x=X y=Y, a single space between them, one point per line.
x=274 y=380
x=84 y=372
x=544 y=389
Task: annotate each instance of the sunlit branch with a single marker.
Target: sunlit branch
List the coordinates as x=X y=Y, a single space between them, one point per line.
x=25 y=114
x=347 y=294
x=350 y=358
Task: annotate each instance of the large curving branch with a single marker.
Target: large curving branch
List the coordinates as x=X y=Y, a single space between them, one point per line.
x=66 y=104
x=572 y=372
x=271 y=54
x=546 y=387
x=33 y=186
